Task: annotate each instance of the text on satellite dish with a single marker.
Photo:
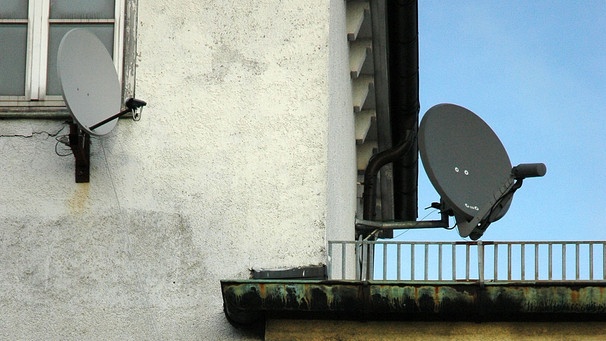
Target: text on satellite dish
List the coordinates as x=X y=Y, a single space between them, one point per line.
x=476 y=208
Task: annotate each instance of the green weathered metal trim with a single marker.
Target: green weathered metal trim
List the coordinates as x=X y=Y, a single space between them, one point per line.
x=247 y=301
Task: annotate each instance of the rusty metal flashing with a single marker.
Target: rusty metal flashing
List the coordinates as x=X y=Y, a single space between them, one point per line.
x=317 y=272
x=249 y=301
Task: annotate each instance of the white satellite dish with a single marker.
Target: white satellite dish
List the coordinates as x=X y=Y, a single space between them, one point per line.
x=89 y=81
x=91 y=91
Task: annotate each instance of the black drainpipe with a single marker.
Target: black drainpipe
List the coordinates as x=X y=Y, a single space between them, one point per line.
x=403 y=75
x=403 y=37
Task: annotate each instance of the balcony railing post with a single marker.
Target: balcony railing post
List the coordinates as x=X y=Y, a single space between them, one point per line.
x=440 y=261
x=371 y=261
x=591 y=261
x=481 y=261
x=467 y=260
x=509 y=261
x=425 y=274
x=399 y=269
x=577 y=251
x=344 y=260
x=523 y=261
x=563 y=261
x=359 y=259
x=496 y=262
x=550 y=256
x=412 y=262
x=385 y=263
x=454 y=261
x=329 y=261
x=536 y=261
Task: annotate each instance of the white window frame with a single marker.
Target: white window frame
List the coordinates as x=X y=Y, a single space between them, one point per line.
x=38 y=27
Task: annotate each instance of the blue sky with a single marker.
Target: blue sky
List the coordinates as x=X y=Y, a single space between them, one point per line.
x=535 y=71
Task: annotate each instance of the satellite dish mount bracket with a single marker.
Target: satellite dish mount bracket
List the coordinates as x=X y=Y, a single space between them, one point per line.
x=368 y=226
x=79 y=139
x=79 y=142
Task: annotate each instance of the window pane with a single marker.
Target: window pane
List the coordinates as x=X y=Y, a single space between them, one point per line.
x=104 y=32
x=83 y=9
x=12 y=59
x=13 y=9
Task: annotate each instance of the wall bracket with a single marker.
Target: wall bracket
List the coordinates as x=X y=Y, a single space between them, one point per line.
x=79 y=142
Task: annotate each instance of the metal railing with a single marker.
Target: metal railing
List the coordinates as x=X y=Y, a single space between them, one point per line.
x=468 y=261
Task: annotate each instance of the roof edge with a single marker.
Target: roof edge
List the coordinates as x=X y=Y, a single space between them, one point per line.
x=249 y=301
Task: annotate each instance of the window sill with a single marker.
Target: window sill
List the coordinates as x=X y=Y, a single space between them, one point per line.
x=34 y=113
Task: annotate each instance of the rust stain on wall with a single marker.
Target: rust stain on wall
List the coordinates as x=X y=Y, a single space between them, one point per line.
x=79 y=200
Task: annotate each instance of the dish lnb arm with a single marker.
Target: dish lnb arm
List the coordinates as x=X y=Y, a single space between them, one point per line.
x=132 y=105
x=529 y=170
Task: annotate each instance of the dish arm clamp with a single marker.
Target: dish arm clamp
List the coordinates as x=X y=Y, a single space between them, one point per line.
x=132 y=105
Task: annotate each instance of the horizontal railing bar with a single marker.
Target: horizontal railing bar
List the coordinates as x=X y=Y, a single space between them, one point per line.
x=572 y=242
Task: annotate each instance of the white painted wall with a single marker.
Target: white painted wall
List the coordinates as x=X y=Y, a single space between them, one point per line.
x=341 y=146
x=244 y=158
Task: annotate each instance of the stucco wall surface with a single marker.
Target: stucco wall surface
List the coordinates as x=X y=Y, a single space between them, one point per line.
x=227 y=170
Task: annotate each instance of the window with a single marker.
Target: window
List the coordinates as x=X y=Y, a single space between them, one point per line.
x=30 y=32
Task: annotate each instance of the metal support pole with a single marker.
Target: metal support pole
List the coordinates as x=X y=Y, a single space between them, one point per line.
x=79 y=142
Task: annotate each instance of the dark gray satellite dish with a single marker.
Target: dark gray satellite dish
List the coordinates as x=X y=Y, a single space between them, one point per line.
x=91 y=91
x=469 y=167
